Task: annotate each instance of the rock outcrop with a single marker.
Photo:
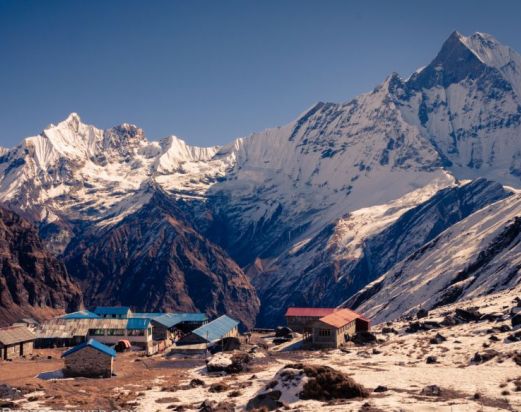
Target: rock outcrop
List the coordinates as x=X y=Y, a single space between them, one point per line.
x=33 y=282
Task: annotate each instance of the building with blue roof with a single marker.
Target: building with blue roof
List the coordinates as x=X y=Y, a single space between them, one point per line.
x=212 y=332
x=138 y=331
x=113 y=312
x=167 y=325
x=91 y=359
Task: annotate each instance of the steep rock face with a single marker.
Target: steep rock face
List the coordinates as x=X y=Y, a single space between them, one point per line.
x=475 y=257
x=467 y=102
x=32 y=281
x=361 y=246
x=155 y=260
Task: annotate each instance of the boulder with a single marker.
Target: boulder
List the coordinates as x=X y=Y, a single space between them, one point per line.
x=422 y=326
x=514 y=337
x=505 y=328
x=422 y=313
x=265 y=401
x=8 y=392
x=449 y=320
x=468 y=315
x=516 y=320
x=229 y=362
x=439 y=338
x=196 y=382
x=283 y=332
x=325 y=383
x=387 y=329
x=431 y=390
x=494 y=317
x=380 y=388
x=210 y=406
x=218 y=387
x=484 y=356
x=431 y=359
x=364 y=337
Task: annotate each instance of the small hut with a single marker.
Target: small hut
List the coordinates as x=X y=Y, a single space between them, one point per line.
x=15 y=342
x=212 y=332
x=91 y=359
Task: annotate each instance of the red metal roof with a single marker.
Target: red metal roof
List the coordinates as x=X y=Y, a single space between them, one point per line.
x=341 y=318
x=310 y=312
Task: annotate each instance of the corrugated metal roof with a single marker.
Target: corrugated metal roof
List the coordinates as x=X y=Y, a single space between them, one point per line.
x=111 y=310
x=146 y=315
x=216 y=329
x=138 y=323
x=81 y=314
x=309 y=312
x=92 y=343
x=69 y=328
x=340 y=318
x=171 y=319
x=15 y=334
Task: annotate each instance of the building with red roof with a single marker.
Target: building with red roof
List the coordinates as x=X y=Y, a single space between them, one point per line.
x=302 y=319
x=336 y=328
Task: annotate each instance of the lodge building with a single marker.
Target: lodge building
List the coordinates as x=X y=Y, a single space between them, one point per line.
x=326 y=327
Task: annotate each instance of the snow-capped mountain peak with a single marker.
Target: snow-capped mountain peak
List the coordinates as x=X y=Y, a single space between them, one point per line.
x=463 y=57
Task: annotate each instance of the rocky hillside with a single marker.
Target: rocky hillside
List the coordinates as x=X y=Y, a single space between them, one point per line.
x=33 y=283
x=154 y=260
x=363 y=245
x=474 y=257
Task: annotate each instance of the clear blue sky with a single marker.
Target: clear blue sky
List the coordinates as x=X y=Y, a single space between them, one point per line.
x=210 y=71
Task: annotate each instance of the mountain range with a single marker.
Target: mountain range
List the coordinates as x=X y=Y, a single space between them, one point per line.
x=405 y=196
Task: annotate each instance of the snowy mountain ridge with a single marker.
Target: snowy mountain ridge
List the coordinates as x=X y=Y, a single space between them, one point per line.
x=281 y=200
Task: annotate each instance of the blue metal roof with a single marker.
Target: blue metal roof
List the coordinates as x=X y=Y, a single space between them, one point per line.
x=216 y=329
x=81 y=314
x=111 y=310
x=107 y=350
x=171 y=319
x=146 y=315
x=138 y=323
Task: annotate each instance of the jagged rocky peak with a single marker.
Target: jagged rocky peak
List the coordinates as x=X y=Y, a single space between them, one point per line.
x=455 y=62
x=73 y=121
x=125 y=132
x=463 y=57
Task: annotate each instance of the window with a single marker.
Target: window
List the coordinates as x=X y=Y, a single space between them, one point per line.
x=97 y=332
x=116 y=332
x=324 y=332
x=136 y=332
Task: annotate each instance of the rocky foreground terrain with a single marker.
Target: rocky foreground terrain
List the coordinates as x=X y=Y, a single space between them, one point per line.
x=460 y=357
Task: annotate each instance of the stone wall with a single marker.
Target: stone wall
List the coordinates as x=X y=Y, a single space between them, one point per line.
x=90 y=363
x=16 y=350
